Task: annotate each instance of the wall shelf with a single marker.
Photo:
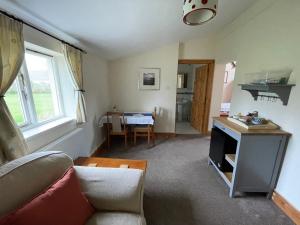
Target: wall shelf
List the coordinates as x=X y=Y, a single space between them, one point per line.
x=281 y=90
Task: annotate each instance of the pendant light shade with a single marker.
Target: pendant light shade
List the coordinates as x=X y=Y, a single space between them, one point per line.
x=196 y=12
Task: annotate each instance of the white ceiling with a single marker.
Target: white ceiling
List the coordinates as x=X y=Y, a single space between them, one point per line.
x=116 y=28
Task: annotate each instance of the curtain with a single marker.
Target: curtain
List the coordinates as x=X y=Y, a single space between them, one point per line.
x=12 y=143
x=73 y=57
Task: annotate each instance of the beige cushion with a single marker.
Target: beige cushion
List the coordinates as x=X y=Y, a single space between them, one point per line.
x=113 y=189
x=116 y=218
x=26 y=177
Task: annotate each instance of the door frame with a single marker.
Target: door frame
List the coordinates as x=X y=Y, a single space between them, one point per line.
x=211 y=68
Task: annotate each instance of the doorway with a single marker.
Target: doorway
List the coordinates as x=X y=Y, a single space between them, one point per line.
x=228 y=88
x=193 y=99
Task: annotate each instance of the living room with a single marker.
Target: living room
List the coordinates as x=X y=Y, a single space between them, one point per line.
x=118 y=44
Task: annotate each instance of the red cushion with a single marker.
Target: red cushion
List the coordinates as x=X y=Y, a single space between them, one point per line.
x=62 y=204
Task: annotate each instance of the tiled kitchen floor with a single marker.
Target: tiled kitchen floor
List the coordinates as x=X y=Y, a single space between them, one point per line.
x=185 y=128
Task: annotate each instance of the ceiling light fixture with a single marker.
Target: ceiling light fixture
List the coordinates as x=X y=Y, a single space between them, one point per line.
x=196 y=12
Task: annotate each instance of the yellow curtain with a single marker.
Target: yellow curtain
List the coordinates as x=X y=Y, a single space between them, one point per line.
x=73 y=57
x=12 y=144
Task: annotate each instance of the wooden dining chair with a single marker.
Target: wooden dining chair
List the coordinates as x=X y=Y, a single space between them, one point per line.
x=145 y=131
x=117 y=126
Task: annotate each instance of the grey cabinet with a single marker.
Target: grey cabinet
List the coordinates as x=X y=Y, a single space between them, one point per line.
x=247 y=160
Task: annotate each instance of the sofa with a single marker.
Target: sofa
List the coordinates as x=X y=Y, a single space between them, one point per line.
x=116 y=194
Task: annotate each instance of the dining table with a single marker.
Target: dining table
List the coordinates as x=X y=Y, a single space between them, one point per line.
x=131 y=118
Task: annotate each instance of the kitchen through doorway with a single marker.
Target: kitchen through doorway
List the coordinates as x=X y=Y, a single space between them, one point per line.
x=194 y=86
x=228 y=88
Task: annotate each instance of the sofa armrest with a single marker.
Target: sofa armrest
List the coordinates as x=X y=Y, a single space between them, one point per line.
x=113 y=189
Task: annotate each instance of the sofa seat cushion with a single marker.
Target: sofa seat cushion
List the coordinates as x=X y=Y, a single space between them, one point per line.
x=116 y=218
x=61 y=204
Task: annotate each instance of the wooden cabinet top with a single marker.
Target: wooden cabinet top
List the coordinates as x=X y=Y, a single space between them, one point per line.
x=243 y=131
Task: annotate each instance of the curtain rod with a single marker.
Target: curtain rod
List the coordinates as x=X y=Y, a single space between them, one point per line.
x=38 y=29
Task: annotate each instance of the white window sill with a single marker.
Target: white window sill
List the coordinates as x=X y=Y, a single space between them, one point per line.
x=34 y=132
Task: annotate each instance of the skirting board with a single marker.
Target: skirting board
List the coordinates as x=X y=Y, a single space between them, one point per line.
x=286 y=207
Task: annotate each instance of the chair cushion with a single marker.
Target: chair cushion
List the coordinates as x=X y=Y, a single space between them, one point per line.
x=61 y=204
x=116 y=218
x=24 y=178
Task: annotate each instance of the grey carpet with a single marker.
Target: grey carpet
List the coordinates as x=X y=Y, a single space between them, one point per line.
x=181 y=189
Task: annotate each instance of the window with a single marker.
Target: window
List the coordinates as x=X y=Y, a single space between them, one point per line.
x=43 y=86
x=34 y=98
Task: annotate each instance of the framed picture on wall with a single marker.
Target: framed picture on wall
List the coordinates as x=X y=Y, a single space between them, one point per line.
x=149 y=79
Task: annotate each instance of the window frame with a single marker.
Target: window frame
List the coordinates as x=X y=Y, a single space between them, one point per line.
x=21 y=97
x=26 y=94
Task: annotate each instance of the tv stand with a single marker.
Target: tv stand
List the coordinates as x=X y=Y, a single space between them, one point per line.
x=247 y=160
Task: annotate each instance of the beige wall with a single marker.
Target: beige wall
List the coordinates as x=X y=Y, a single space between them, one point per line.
x=124 y=84
x=124 y=74
x=267 y=37
x=85 y=139
x=202 y=48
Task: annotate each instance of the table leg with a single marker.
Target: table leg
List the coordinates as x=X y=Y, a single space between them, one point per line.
x=108 y=136
x=149 y=134
x=153 y=136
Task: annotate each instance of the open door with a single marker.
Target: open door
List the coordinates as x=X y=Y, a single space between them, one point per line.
x=199 y=99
